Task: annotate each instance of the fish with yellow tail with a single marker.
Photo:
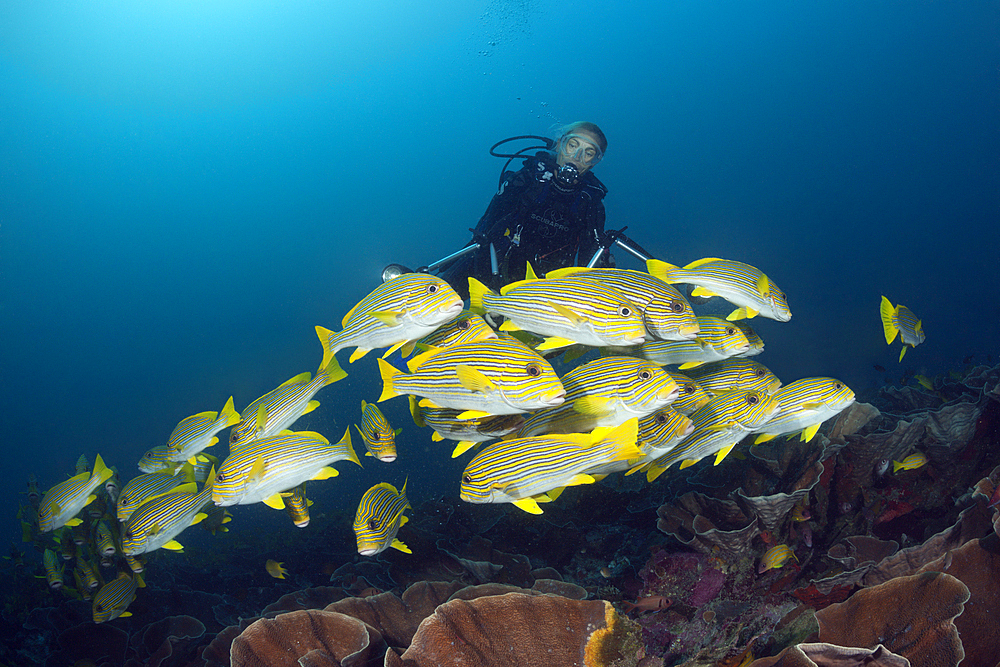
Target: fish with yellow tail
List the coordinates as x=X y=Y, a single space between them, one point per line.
x=718 y=426
x=465 y=328
x=468 y=432
x=297 y=505
x=153 y=485
x=666 y=314
x=60 y=504
x=485 y=377
x=742 y=285
x=379 y=518
x=526 y=471
x=563 y=310
x=275 y=569
x=735 y=373
x=197 y=432
x=604 y=392
x=775 y=557
x=379 y=437
x=900 y=320
x=276 y=410
x=259 y=470
x=396 y=315
x=156 y=522
x=114 y=598
x=804 y=405
x=717 y=340
x=911 y=462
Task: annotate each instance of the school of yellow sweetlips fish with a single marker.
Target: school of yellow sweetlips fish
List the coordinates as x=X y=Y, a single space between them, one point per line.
x=624 y=412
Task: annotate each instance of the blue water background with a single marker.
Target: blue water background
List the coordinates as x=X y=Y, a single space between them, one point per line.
x=188 y=188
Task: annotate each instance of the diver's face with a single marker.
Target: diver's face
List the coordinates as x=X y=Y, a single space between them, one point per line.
x=580 y=149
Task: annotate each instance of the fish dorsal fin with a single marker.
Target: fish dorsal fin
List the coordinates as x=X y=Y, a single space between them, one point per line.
x=575 y=318
x=473 y=379
x=565 y=271
x=274 y=501
x=301 y=378
x=701 y=262
x=343 y=322
x=528 y=505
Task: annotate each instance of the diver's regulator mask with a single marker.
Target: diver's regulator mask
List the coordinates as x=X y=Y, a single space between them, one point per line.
x=575 y=153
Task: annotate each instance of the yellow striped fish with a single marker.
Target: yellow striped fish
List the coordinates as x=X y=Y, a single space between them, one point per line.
x=216 y=520
x=901 y=320
x=82 y=588
x=666 y=314
x=105 y=539
x=155 y=460
x=259 y=470
x=135 y=563
x=197 y=432
x=486 y=377
x=658 y=433
x=379 y=437
x=468 y=432
x=64 y=501
x=115 y=596
x=523 y=471
x=379 y=518
x=691 y=395
x=775 y=557
x=397 y=314
x=735 y=373
x=297 y=505
x=156 y=522
x=717 y=339
x=604 y=392
x=911 y=462
x=804 y=405
x=53 y=569
x=718 y=426
x=740 y=284
x=153 y=485
x=756 y=342
x=465 y=328
x=88 y=575
x=563 y=310
x=275 y=411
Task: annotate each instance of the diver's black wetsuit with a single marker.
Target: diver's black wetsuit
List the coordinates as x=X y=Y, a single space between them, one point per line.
x=534 y=218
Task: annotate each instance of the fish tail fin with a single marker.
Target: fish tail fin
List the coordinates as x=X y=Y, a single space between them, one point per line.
x=888 y=313
x=418 y=416
x=324 y=339
x=332 y=369
x=229 y=413
x=402 y=492
x=101 y=471
x=388 y=372
x=477 y=291
x=661 y=269
x=346 y=442
x=896 y=465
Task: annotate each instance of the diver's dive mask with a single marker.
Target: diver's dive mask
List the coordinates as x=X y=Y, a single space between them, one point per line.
x=579 y=149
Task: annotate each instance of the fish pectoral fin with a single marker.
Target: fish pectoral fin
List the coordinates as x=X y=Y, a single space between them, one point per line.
x=689 y=364
x=91 y=498
x=582 y=478
x=575 y=318
x=310 y=406
x=508 y=325
x=326 y=472
x=436 y=437
x=274 y=502
x=528 y=505
x=472 y=414
x=593 y=406
x=124 y=614
x=427 y=403
x=723 y=453
x=390 y=318
x=555 y=342
x=473 y=379
x=701 y=291
x=261 y=418
x=75 y=521
x=763 y=286
x=396 y=544
x=198 y=518
x=461 y=448
x=257 y=470
x=408 y=348
x=403 y=520
x=810 y=432
x=174 y=545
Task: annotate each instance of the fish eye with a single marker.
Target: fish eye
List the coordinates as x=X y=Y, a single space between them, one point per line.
x=221 y=477
x=661 y=418
x=676 y=306
x=624 y=311
x=730 y=331
x=467 y=479
x=838 y=386
x=431 y=289
x=759 y=372
x=689 y=389
x=645 y=375
x=373 y=524
x=534 y=370
x=464 y=325
x=752 y=399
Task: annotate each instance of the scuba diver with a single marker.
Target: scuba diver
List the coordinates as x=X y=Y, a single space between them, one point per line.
x=550 y=212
